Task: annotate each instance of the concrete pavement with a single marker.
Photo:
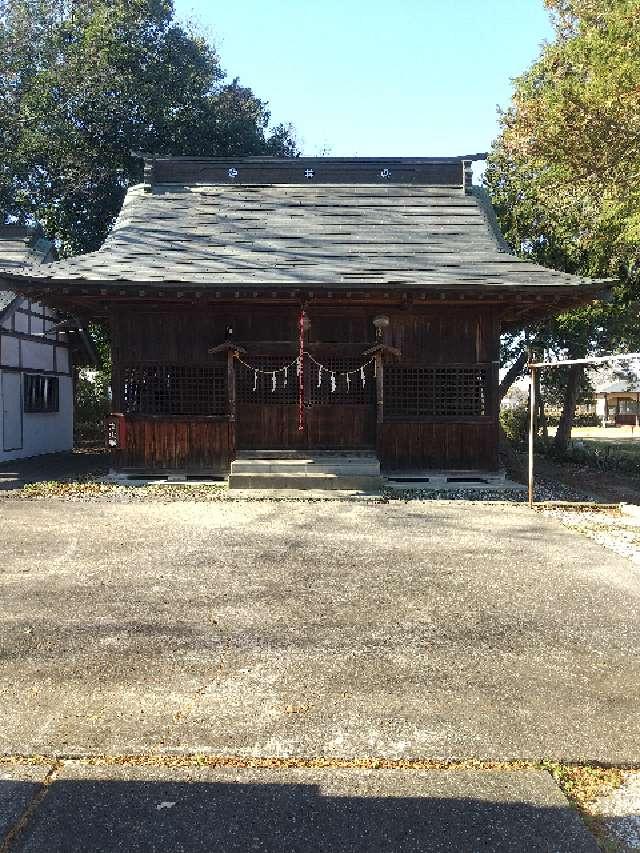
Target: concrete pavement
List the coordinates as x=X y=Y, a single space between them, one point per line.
x=433 y=630
x=107 y=809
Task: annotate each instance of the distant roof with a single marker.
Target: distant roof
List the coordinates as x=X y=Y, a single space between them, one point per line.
x=339 y=223
x=20 y=247
x=620 y=386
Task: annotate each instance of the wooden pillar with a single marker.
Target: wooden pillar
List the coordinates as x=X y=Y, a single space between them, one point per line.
x=379 y=363
x=379 y=388
x=231 y=393
x=232 y=351
x=378 y=352
x=606 y=407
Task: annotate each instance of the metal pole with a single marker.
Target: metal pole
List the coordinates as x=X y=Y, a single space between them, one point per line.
x=532 y=426
x=600 y=359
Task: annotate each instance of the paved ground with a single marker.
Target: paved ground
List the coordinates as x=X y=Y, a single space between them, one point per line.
x=107 y=809
x=435 y=630
x=51 y=466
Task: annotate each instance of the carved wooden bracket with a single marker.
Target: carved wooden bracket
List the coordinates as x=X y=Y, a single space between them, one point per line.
x=228 y=346
x=383 y=350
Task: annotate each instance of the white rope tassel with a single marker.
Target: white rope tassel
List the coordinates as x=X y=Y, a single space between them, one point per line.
x=298 y=366
x=273 y=381
x=319 y=376
x=362 y=376
x=333 y=382
x=348 y=381
x=286 y=376
x=255 y=380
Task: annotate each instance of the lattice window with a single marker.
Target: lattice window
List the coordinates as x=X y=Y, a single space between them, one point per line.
x=353 y=391
x=258 y=387
x=450 y=392
x=167 y=389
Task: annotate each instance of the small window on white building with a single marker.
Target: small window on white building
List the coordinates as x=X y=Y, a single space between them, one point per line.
x=41 y=393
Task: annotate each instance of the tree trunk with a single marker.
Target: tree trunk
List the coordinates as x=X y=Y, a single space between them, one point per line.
x=513 y=462
x=512 y=374
x=563 y=435
x=541 y=417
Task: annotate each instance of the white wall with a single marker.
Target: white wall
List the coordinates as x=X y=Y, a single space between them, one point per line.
x=44 y=432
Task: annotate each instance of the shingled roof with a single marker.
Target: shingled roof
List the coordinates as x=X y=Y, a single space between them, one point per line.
x=409 y=223
x=20 y=247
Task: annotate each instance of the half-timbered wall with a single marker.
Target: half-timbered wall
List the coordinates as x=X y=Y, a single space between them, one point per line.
x=439 y=401
x=26 y=352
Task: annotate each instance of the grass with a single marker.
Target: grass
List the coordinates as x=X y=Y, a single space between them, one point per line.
x=631 y=450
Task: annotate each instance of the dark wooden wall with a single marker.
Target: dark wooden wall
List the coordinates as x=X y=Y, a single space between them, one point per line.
x=157 y=445
x=450 y=335
x=436 y=336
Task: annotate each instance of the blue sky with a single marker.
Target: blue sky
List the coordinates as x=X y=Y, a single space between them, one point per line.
x=367 y=78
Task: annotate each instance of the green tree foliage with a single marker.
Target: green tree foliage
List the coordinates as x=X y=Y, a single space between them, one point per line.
x=85 y=82
x=564 y=174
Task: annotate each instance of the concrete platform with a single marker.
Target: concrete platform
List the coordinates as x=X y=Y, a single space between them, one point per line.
x=321 y=481
x=427 y=478
x=443 y=485
x=111 y=809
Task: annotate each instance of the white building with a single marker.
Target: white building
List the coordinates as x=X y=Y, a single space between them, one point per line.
x=618 y=402
x=36 y=376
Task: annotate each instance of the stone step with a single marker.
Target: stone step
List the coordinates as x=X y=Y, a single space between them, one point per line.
x=306 y=454
x=321 y=481
x=349 y=467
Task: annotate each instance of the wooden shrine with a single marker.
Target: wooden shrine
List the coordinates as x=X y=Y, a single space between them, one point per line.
x=306 y=303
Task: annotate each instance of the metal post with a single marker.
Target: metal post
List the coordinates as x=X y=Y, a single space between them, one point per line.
x=532 y=427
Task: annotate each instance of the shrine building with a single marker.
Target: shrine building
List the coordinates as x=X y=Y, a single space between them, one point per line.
x=263 y=308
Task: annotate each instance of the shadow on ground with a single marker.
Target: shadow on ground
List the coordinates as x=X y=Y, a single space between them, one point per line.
x=53 y=466
x=103 y=816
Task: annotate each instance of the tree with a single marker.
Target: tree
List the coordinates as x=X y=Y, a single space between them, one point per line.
x=85 y=82
x=564 y=175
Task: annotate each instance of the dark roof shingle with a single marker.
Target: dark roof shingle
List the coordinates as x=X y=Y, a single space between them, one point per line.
x=349 y=225
x=20 y=247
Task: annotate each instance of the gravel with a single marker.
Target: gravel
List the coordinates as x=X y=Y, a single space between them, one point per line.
x=620 y=813
x=609 y=528
x=97 y=490
x=545 y=490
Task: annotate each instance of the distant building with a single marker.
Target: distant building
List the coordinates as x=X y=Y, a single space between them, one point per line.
x=618 y=402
